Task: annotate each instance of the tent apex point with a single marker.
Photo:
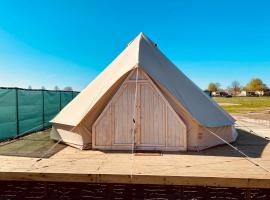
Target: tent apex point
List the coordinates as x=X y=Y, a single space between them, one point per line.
x=141 y=34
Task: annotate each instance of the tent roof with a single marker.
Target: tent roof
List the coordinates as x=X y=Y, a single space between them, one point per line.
x=142 y=52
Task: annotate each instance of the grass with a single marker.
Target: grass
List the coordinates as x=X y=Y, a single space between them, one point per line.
x=244 y=104
x=34 y=145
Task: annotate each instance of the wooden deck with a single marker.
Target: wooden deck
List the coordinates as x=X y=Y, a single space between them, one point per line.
x=220 y=166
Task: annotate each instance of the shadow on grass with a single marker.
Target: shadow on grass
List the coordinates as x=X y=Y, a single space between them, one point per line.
x=34 y=145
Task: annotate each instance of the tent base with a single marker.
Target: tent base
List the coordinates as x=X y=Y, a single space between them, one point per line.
x=71 y=139
x=207 y=140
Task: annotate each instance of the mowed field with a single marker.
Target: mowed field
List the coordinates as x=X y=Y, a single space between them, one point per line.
x=244 y=104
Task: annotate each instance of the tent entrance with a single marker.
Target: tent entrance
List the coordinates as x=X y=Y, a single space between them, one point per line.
x=158 y=127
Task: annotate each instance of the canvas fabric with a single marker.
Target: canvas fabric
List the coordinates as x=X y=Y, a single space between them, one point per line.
x=143 y=53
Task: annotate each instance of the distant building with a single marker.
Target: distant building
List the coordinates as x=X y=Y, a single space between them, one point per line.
x=221 y=94
x=265 y=92
x=245 y=93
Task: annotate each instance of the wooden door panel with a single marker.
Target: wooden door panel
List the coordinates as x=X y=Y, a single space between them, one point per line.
x=152 y=117
x=176 y=131
x=102 y=129
x=123 y=114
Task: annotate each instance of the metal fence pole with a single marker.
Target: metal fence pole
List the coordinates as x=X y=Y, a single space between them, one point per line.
x=60 y=103
x=43 y=110
x=17 y=112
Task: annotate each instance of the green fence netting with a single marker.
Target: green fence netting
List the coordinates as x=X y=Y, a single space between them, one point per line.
x=23 y=111
x=8 y=116
x=51 y=106
x=30 y=111
x=65 y=99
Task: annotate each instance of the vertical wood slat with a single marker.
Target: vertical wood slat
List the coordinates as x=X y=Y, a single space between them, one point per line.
x=166 y=127
x=112 y=125
x=138 y=116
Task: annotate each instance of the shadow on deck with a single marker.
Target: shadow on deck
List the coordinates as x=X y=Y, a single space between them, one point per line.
x=250 y=144
x=37 y=144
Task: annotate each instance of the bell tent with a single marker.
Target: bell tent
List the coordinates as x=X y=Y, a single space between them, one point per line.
x=142 y=100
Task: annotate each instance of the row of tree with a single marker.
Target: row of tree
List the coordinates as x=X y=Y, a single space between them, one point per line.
x=255 y=84
x=56 y=88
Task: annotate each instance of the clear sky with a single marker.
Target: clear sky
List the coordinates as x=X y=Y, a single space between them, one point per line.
x=68 y=43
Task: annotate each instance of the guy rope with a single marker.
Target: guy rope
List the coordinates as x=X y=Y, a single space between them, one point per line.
x=133 y=132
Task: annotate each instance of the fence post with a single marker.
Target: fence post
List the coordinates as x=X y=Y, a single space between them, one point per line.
x=60 y=103
x=17 y=111
x=43 y=109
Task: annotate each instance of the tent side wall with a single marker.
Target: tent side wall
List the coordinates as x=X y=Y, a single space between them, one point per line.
x=206 y=139
x=78 y=137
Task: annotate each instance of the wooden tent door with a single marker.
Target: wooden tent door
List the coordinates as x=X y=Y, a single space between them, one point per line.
x=151 y=129
x=122 y=115
x=158 y=127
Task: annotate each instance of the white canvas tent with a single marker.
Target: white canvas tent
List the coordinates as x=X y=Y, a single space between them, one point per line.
x=181 y=110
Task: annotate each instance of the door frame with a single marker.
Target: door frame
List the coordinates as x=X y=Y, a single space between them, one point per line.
x=114 y=146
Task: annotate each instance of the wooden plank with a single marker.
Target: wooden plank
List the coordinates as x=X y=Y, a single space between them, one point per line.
x=219 y=166
x=138 y=179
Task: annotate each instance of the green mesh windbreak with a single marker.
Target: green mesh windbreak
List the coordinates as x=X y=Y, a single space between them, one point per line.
x=30 y=111
x=8 y=117
x=75 y=94
x=51 y=106
x=66 y=97
x=24 y=111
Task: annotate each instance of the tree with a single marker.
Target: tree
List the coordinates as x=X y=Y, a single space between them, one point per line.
x=68 y=88
x=213 y=87
x=256 y=84
x=29 y=87
x=235 y=87
x=56 y=88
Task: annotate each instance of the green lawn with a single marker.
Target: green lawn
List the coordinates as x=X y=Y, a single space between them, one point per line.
x=34 y=145
x=244 y=104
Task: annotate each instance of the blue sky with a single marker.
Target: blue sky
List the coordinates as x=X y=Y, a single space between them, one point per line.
x=67 y=43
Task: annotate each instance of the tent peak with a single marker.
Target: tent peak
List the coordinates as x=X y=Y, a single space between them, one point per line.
x=144 y=37
x=141 y=33
x=141 y=37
